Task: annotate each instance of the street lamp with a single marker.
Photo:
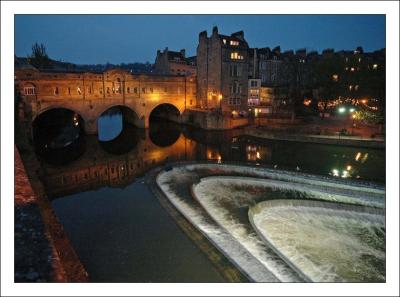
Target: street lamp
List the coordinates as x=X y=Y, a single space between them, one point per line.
x=220 y=102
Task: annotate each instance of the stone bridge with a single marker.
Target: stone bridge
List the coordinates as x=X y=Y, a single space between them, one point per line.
x=91 y=94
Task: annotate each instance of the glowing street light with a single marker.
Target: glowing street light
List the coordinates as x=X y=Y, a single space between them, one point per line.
x=220 y=101
x=342 y=109
x=352 y=109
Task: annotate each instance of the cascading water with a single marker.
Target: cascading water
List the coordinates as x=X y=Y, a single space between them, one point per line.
x=352 y=221
x=325 y=242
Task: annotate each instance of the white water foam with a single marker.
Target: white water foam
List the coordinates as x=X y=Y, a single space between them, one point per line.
x=324 y=241
x=258 y=265
x=219 y=237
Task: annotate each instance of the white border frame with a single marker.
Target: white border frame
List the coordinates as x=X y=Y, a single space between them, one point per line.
x=8 y=9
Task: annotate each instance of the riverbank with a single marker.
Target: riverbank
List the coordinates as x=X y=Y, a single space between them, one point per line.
x=43 y=252
x=314 y=138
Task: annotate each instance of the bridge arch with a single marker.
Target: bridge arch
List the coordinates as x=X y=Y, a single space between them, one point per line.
x=111 y=128
x=166 y=111
x=57 y=128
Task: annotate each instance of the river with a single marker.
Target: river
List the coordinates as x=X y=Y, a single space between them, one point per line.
x=119 y=229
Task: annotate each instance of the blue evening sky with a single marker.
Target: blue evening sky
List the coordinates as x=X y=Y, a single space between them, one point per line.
x=135 y=38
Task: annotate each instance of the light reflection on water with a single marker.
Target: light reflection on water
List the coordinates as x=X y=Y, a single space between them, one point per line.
x=101 y=178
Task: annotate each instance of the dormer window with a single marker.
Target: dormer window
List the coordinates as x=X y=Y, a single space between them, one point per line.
x=234 y=42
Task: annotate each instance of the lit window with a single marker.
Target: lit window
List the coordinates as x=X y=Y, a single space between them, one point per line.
x=350 y=87
x=352 y=69
x=224 y=41
x=236 y=56
x=29 y=90
x=375 y=66
x=234 y=43
x=335 y=77
x=355 y=87
x=78 y=89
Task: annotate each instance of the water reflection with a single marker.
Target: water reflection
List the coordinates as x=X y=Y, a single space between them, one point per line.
x=110 y=124
x=89 y=163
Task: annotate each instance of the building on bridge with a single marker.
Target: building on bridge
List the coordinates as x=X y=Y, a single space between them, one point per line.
x=171 y=62
x=90 y=94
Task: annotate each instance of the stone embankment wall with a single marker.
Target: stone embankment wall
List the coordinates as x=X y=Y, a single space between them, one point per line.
x=42 y=250
x=212 y=121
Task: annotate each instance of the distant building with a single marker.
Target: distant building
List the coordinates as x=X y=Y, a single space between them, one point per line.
x=222 y=72
x=176 y=63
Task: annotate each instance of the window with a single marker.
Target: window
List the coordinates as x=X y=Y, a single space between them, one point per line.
x=78 y=89
x=101 y=90
x=151 y=90
x=350 y=87
x=224 y=41
x=253 y=83
x=165 y=89
x=356 y=88
x=234 y=70
x=90 y=90
x=236 y=56
x=263 y=65
x=263 y=78
x=108 y=90
x=335 y=77
x=375 y=66
x=128 y=90
x=144 y=90
x=69 y=91
x=236 y=88
x=234 y=43
x=118 y=86
x=56 y=91
x=191 y=102
x=135 y=90
x=234 y=101
x=29 y=90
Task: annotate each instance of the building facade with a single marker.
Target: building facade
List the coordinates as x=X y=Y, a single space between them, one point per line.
x=174 y=63
x=222 y=72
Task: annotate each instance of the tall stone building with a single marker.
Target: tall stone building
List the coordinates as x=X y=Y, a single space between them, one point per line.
x=175 y=63
x=222 y=72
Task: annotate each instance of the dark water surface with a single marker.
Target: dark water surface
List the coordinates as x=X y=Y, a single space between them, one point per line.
x=119 y=229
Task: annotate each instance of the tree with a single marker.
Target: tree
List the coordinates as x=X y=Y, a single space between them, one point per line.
x=327 y=73
x=39 y=57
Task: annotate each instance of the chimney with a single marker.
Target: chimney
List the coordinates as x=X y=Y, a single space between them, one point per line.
x=215 y=30
x=202 y=34
x=183 y=52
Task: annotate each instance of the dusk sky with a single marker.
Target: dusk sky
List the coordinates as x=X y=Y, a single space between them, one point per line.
x=89 y=39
